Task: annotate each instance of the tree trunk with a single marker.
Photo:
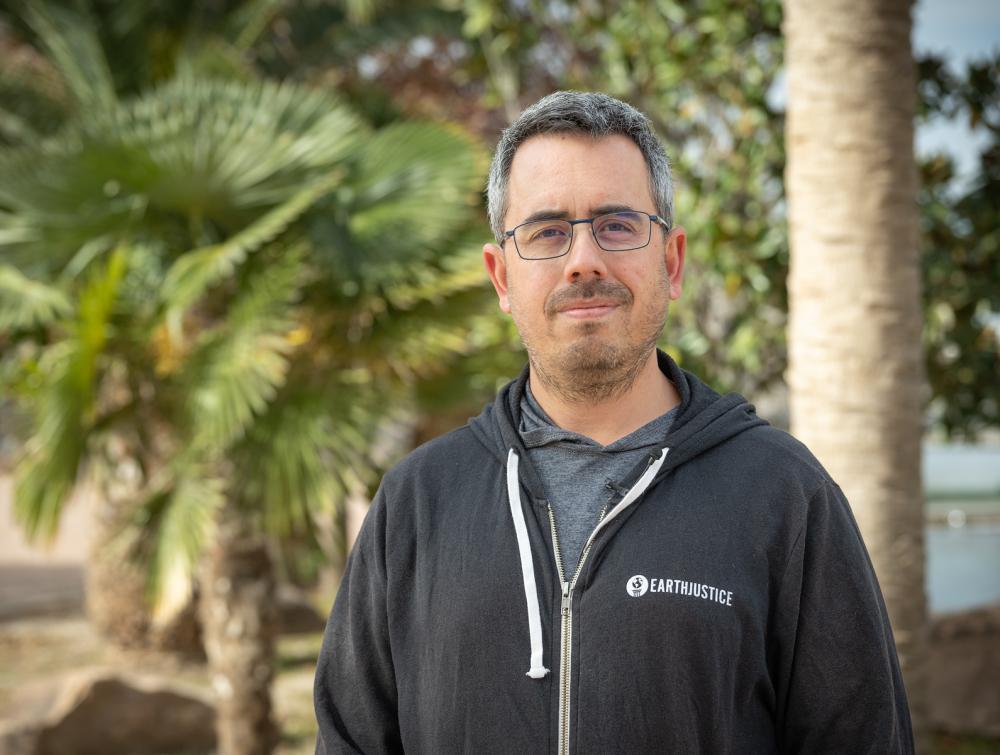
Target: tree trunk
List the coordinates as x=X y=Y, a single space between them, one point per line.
x=855 y=364
x=239 y=616
x=116 y=584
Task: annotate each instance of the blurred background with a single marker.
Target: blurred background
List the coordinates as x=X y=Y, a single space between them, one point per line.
x=240 y=277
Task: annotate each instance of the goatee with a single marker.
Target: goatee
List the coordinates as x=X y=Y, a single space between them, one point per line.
x=595 y=368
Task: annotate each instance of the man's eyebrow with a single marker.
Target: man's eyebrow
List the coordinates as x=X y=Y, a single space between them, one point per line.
x=603 y=209
x=546 y=215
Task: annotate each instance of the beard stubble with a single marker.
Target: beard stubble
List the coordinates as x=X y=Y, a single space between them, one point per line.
x=598 y=366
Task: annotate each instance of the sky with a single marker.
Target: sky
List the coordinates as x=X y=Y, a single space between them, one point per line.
x=959 y=30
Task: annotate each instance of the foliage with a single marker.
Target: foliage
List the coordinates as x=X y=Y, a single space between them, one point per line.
x=708 y=74
x=286 y=272
x=705 y=73
x=236 y=279
x=962 y=253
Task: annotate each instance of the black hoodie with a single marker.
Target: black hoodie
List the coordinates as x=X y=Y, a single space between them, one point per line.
x=726 y=605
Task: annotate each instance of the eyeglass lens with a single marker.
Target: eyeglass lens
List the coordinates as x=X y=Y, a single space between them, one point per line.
x=614 y=232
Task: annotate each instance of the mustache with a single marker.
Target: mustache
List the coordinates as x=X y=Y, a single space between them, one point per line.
x=593 y=288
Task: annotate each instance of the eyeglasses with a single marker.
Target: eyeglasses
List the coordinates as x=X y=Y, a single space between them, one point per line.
x=614 y=232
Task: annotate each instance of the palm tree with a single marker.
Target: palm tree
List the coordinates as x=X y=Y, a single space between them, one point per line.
x=227 y=284
x=855 y=375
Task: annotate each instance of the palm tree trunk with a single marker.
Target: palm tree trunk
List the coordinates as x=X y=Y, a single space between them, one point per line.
x=117 y=604
x=855 y=363
x=239 y=617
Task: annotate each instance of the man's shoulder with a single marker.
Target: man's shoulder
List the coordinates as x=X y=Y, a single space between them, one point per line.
x=770 y=478
x=771 y=451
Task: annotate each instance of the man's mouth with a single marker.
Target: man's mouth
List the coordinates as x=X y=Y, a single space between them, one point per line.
x=588 y=309
x=588 y=301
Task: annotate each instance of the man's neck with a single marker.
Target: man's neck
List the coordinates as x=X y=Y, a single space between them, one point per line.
x=649 y=396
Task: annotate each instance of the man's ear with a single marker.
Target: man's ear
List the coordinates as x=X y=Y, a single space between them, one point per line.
x=674 y=250
x=496 y=266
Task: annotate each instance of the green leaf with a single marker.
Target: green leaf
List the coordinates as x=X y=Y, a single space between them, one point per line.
x=48 y=467
x=417 y=184
x=304 y=456
x=246 y=24
x=196 y=271
x=71 y=41
x=26 y=303
x=237 y=368
x=179 y=523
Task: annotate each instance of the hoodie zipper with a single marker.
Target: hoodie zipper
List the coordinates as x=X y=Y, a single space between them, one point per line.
x=566 y=636
x=566 y=643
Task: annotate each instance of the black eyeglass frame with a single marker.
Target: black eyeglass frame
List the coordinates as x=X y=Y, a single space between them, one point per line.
x=569 y=245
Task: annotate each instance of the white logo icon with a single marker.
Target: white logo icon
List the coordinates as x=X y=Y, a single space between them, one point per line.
x=637 y=585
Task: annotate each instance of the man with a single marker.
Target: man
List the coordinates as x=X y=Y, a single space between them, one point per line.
x=611 y=557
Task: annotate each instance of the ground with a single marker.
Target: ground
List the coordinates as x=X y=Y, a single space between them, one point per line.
x=33 y=649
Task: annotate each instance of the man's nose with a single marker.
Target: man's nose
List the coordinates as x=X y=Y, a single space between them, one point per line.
x=585 y=258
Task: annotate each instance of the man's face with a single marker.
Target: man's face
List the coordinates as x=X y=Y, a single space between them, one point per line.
x=590 y=316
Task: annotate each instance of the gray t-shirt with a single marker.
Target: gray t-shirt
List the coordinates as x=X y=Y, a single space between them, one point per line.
x=579 y=475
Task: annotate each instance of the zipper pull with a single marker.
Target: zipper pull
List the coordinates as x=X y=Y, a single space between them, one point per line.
x=566 y=600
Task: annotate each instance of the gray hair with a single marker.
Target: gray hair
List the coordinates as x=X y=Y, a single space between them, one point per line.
x=590 y=113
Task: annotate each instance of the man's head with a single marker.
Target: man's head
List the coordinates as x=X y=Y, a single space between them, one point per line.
x=589 y=318
x=584 y=113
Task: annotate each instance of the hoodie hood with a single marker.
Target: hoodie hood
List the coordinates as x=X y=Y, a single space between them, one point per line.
x=704 y=420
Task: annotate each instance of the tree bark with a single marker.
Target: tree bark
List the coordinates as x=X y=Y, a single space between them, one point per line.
x=117 y=604
x=855 y=374
x=239 y=616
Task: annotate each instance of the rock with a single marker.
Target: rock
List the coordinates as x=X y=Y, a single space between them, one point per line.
x=101 y=712
x=963 y=667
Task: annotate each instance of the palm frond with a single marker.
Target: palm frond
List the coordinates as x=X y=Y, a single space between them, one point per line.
x=436 y=281
x=249 y=143
x=15 y=129
x=48 y=467
x=26 y=303
x=71 y=42
x=422 y=314
x=306 y=453
x=178 y=522
x=196 y=271
x=417 y=184
x=191 y=161
x=242 y=379
x=245 y=25
x=236 y=369
x=214 y=59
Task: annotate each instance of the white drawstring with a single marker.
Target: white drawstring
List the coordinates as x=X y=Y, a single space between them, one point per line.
x=537 y=670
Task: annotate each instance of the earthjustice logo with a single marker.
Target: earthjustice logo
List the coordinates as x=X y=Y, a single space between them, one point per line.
x=639 y=585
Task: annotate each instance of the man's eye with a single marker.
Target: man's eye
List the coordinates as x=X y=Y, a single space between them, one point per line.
x=616 y=225
x=548 y=232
